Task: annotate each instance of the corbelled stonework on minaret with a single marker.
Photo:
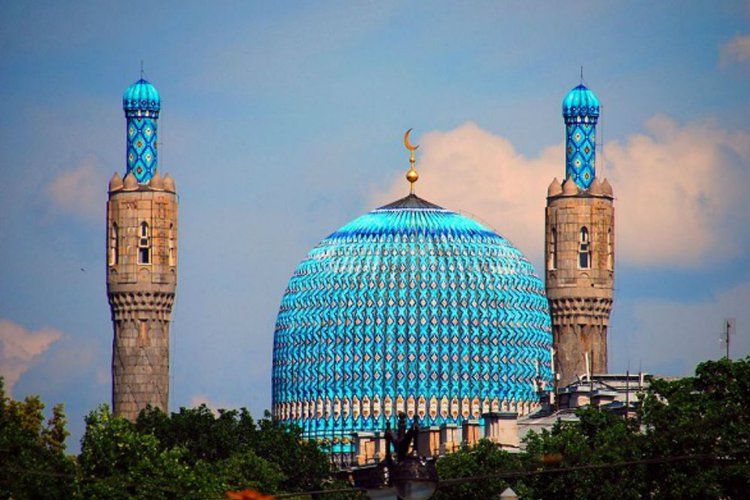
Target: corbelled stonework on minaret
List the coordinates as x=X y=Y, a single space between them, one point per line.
x=141 y=262
x=579 y=247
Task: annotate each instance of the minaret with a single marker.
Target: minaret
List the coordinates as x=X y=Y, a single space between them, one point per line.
x=579 y=247
x=141 y=262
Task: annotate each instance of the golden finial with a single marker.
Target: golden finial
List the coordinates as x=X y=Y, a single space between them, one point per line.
x=412 y=175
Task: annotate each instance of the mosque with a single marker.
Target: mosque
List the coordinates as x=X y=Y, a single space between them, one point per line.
x=411 y=308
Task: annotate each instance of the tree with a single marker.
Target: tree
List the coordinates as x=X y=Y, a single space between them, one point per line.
x=117 y=461
x=598 y=438
x=304 y=464
x=484 y=459
x=204 y=435
x=33 y=463
x=707 y=417
x=269 y=453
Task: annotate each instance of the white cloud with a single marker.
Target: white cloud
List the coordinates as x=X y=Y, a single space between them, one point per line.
x=671 y=337
x=681 y=193
x=471 y=170
x=80 y=190
x=19 y=347
x=680 y=190
x=735 y=50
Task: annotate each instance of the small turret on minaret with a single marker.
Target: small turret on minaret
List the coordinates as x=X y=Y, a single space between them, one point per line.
x=142 y=104
x=579 y=246
x=581 y=112
x=141 y=261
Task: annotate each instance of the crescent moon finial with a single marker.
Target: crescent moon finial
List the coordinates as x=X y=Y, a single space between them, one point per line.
x=412 y=175
x=407 y=143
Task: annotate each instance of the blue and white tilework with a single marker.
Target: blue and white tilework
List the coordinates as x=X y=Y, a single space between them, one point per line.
x=409 y=308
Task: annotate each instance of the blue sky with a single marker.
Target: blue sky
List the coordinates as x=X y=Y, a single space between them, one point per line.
x=282 y=121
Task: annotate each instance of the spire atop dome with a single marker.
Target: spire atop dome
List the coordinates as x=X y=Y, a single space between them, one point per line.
x=412 y=175
x=580 y=110
x=141 y=103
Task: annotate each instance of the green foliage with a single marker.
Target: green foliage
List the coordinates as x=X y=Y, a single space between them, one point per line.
x=119 y=462
x=484 y=459
x=691 y=440
x=189 y=454
x=32 y=455
x=303 y=463
x=205 y=436
x=245 y=470
x=597 y=438
x=234 y=439
x=708 y=414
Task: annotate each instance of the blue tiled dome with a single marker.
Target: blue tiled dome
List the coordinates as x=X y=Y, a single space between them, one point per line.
x=580 y=103
x=410 y=308
x=141 y=96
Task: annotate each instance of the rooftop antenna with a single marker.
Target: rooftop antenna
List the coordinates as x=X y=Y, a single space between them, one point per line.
x=729 y=326
x=627 y=391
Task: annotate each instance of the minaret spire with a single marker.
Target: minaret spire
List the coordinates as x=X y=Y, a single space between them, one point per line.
x=412 y=175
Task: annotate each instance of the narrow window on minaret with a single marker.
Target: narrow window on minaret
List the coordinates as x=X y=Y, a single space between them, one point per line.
x=172 y=259
x=113 y=257
x=144 y=245
x=610 y=251
x=552 y=261
x=584 y=249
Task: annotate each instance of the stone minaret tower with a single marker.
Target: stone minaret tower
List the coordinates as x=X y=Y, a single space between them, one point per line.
x=580 y=247
x=141 y=262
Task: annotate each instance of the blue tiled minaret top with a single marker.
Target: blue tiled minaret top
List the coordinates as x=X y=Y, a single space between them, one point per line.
x=580 y=109
x=141 y=103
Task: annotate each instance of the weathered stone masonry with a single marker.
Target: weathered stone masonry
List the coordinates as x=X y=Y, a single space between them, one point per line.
x=580 y=297
x=141 y=281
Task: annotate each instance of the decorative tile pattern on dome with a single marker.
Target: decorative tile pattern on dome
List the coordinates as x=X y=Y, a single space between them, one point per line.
x=408 y=308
